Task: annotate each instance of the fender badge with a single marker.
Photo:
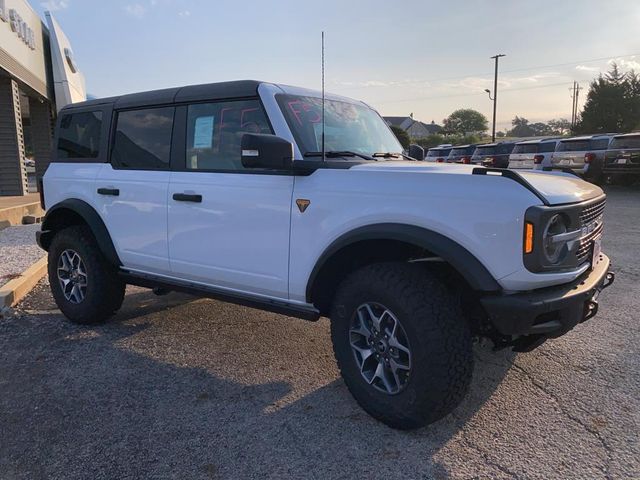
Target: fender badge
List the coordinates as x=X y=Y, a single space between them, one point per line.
x=302 y=203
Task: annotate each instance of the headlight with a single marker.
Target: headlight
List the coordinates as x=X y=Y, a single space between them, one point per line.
x=551 y=237
x=554 y=238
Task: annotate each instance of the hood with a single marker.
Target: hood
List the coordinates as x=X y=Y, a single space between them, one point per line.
x=556 y=187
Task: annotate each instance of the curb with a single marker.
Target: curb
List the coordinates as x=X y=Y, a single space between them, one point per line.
x=15 y=290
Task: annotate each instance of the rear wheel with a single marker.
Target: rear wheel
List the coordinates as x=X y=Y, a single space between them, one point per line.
x=84 y=285
x=402 y=344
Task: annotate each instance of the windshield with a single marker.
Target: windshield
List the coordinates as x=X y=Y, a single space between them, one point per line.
x=526 y=148
x=574 y=146
x=625 y=142
x=438 y=152
x=461 y=151
x=348 y=127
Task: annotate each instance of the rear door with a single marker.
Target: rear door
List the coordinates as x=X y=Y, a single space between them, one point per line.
x=228 y=226
x=131 y=190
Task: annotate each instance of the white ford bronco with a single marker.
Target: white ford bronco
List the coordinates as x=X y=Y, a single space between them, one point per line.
x=272 y=197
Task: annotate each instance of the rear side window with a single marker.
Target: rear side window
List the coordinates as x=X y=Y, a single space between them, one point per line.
x=215 y=130
x=79 y=135
x=143 y=139
x=625 y=142
x=547 y=147
x=599 y=144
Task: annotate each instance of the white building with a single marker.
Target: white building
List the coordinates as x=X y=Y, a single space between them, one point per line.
x=38 y=76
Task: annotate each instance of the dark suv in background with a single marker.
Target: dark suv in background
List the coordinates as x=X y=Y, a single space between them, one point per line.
x=584 y=155
x=461 y=153
x=438 y=154
x=622 y=159
x=493 y=154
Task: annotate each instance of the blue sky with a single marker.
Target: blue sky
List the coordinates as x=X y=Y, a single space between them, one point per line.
x=425 y=57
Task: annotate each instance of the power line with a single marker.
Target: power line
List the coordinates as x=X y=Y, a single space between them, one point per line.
x=487 y=74
x=436 y=97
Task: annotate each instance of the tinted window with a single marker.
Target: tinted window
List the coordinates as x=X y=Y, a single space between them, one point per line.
x=574 y=146
x=215 y=130
x=505 y=148
x=625 y=142
x=599 y=144
x=79 y=135
x=462 y=151
x=547 y=147
x=438 y=152
x=486 y=150
x=143 y=139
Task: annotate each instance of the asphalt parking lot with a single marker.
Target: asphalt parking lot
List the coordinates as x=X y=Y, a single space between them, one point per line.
x=176 y=387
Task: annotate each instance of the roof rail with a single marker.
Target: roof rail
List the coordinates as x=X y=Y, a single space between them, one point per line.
x=512 y=175
x=551 y=168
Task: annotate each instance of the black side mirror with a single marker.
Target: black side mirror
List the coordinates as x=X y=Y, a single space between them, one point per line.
x=266 y=151
x=416 y=151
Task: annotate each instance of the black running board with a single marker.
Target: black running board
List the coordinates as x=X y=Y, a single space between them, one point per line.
x=275 y=306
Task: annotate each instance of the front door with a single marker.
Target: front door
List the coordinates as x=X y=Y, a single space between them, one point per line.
x=228 y=226
x=131 y=190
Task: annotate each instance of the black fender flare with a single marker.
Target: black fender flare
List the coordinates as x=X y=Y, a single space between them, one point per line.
x=463 y=261
x=55 y=217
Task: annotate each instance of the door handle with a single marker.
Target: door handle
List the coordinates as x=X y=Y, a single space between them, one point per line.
x=114 y=192
x=187 y=197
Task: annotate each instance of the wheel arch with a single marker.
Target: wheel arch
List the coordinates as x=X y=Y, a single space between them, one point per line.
x=74 y=211
x=388 y=242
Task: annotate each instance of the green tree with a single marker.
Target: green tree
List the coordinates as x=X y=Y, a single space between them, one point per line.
x=613 y=103
x=561 y=126
x=402 y=136
x=521 y=128
x=465 y=121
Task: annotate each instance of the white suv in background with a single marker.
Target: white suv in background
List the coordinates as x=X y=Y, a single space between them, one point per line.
x=227 y=191
x=533 y=154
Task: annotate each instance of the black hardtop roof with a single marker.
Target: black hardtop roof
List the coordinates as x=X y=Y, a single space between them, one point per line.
x=191 y=93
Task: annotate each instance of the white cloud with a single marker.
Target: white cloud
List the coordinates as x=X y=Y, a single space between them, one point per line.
x=584 y=68
x=184 y=13
x=54 y=5
x=626 y=65
x=135 y=10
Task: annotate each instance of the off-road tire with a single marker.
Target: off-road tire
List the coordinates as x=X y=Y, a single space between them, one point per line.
x=104 y=291
x=440 y=339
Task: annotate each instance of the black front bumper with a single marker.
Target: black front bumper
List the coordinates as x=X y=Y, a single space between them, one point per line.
x=549 y=312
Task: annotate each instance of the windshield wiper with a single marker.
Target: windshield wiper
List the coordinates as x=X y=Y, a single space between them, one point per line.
x=338 y=153
x=392 y=155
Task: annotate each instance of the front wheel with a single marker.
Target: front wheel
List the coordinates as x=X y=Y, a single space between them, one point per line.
x=84 y=285
x=401 y=343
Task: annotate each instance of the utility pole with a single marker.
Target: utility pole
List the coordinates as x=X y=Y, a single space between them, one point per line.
x=495 y=95
x=575 y=115
x=573 y=104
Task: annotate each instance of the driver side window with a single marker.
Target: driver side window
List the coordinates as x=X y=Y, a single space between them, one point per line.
x=215 y=130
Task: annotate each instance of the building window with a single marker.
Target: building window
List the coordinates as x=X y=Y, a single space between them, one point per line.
x=215 y=130
x=143 y=139
x=79 y=135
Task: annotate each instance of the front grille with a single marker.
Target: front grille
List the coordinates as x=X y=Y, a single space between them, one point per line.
x=591 y=212
x=585 y=249
x=588 y=217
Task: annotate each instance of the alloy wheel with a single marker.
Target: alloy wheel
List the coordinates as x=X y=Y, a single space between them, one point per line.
x=381 y=348
x=72 y=275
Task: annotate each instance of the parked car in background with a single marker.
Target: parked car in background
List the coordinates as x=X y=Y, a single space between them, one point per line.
x=438 y=154
x=584 y=155
x=461 y=153
x=493 y=154
x=533 y=154
x=622 y=159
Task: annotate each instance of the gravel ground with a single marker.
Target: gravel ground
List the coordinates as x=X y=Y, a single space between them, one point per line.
x=18 y=250
x=176 y=387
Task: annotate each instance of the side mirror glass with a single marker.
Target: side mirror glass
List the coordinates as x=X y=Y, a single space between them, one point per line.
x=416 y=151
x=266 y=151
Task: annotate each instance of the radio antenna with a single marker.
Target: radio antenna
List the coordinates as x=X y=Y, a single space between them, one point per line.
x=323 y=96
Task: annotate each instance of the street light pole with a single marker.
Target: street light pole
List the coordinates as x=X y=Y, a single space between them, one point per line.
x=495 y=96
